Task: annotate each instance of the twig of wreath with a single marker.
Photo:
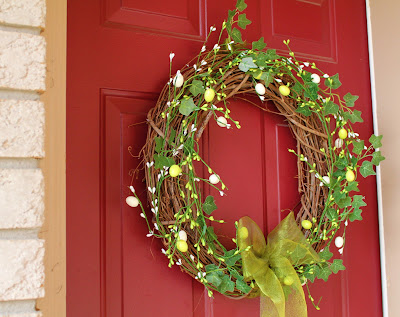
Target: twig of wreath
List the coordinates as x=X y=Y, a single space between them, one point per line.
x=320 y=121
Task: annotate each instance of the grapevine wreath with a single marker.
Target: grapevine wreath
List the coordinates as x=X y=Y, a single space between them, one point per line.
x=331 y=157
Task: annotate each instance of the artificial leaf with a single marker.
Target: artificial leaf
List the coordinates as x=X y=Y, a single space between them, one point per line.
x=212 y=267
x=237 y=35
x=350 y=99
x=304 y=110
x=231 y=258
x=209 y=205
x=332 y=214
x=309 y=273
x=358 y=146
x=341 y=173
x=353 y=186
x=341 y=162
x=376 y=141
x=355 y=215
x=326 y=254
x=159 y=143
x=187 y=106
x=343 y=203
x=311 y=91
x=297 y=87
x=214 y=279
x=358 y=201
x=367 y=168
x=226 y=285
x=377 y=158
x=271 y=54
x=261 y=59
x=258 y=45
x=197 y=87
x=356 y=116
x=330 y=108
x=337 y=265
x=246 y=64
x=333 y=82
x=242 y=286
x=160 y=161
x=243 y=21
x=267 y=77
x=172 y=134
x=241 y=5
x=323 y=273
x=338 y=195
x=211 y=234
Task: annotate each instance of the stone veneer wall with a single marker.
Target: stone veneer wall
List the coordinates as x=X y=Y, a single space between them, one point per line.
x=22 y=80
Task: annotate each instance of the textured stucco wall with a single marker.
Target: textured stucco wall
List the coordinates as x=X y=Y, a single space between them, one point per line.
x=22 y=79
x=385 y=21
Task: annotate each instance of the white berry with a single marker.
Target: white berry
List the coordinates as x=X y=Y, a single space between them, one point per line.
x=182 y=235
x=222 y=122
x=132 y=201
x=315 y=78
x=338 y=143
x=326 y=179
x=339 y=242
x=260 y=89
x=213 y=179
x=178 y=80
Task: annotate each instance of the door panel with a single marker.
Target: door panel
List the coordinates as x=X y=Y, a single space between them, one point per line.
x=118 y=61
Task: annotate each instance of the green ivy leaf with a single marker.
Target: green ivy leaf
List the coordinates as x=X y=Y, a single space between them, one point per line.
x=311 y=90
x=298 y=88
x=337 y=266
x=298 y=254
x=159 y=143
x=356 y=116
x=350 y=99
x=231 y=14
x=353 y=186
x=213 y=267
x=271 y=54
x=333 y=82
x=267 y=77
x=367 y=168
x=187 y=106
x=160 y=161
x=226 y=285
x=323 y=273
x=332 y=214
x=310 y=273
x=231 y=258
x=330 y=108
x=242 y=286
x=246 y=64
x=355 y=215
x=258 y=45
x=237 y=35
x=243 y=21
x=197 y=87
x=326 y=254
x=209 y=205
x=343 y=203
x=358 y=146
x=338 y=195
x=376 y=141
x=304 y=110
x=377 y=158
x=214 y=279
x=341 y=162
x=358 y=201
x=241 y=5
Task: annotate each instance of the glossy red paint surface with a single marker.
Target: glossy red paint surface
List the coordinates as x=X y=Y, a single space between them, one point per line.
x=118 y=61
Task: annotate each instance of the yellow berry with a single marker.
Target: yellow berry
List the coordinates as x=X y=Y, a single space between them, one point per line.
x=288 y=280
x=284 y=90
x=182 y=246
x=350 y=176
x=243 y=233
x=342 y=133
x=209 y=95
x=306 y=224
x=175 y=170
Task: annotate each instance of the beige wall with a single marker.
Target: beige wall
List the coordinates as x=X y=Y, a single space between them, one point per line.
x=385 y=24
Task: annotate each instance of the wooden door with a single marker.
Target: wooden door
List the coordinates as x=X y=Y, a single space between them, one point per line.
x=118 y=61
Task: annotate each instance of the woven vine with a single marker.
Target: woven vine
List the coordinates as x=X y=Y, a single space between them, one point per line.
x=320 y=121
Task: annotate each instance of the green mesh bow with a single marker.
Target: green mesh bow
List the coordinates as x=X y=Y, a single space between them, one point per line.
x=271 y=265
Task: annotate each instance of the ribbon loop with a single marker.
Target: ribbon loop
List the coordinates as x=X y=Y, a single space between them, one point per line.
x=271 y=265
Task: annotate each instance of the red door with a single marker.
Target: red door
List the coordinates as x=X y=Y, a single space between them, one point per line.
x=118 y=61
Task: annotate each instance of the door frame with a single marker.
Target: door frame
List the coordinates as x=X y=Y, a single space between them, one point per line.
x=54 y=230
